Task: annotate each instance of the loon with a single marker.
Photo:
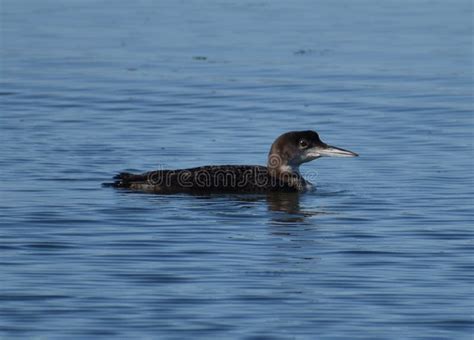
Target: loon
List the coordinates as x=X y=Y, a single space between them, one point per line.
x=281 y=174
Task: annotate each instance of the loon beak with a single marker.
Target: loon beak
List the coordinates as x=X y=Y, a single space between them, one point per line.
x=329 y=151
x=332 y=151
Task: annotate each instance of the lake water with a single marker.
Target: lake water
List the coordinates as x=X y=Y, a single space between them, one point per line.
x=382 y=249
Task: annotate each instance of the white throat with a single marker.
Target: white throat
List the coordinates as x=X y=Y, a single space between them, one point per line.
x=289 y=168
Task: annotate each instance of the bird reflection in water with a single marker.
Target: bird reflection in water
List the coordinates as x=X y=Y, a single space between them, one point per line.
x=286 y=207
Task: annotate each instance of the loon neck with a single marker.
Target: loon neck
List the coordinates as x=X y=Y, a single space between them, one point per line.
x=287 y=172
x=288 y=169
x=278 y=166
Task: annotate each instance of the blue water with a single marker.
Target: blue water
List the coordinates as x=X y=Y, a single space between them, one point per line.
x=382 y=249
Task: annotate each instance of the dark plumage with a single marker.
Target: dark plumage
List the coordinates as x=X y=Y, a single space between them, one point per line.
x=281 y=173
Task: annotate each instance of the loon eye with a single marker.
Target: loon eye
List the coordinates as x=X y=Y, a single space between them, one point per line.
x=303 y=144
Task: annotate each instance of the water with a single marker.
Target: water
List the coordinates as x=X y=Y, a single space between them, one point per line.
x=382 y=249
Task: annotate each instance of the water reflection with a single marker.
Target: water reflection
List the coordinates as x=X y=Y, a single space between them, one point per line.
x=282 y=207
x=285 y=202
x=287 y=210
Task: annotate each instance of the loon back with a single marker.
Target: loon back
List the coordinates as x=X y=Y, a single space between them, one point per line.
x=211 y=179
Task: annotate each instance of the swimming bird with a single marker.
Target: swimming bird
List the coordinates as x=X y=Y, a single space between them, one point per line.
x=281 y=174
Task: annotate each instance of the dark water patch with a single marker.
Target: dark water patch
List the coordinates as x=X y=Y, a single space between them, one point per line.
x=9 y=297
x=153 y=278
x=49 y=246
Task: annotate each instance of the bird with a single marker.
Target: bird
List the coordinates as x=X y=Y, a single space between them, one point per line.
x=281 y=174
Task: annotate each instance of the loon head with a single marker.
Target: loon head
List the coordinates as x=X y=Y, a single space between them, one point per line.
x=297 y=147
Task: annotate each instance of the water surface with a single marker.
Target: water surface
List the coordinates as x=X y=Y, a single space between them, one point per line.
x=382 y=248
